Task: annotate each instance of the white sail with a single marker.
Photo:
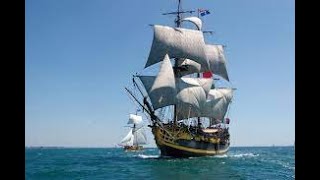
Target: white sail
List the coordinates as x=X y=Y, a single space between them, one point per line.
x=185 y=111
x=195 y=20
x=216 y=59
x=161 y=88
x=192 y=93
x=192 y=97
x=128 y=140
x=140 y=136
x=205 y=83
x=192 y=67
x=191 y=100
x=217 y=104
x=134 y=119
x=165 y=90
x=177 y=43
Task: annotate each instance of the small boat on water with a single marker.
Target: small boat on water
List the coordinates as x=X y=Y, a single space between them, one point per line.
x=136 y=136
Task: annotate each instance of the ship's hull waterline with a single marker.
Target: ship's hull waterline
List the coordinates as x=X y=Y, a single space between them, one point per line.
x=182 y=144
x=133 y=148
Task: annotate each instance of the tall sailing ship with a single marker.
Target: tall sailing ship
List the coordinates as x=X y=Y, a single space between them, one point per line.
x=185 y=107
x=136 y=136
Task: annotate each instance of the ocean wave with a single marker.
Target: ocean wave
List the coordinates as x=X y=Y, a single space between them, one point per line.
x=221 y=156
x=286 y=165
x=244 y=155
x=148 y=156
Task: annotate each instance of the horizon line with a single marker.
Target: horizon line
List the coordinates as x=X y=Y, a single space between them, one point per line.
x=144 y=147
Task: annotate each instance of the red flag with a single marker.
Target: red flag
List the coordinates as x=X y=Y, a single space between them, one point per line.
x=207 y=74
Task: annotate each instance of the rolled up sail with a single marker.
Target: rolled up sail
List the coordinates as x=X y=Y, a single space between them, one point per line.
x=177 y=43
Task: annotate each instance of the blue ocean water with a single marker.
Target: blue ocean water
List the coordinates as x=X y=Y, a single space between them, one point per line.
x=114 y=163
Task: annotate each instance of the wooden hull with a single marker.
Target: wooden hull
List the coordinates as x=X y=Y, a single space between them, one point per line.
x=133 y=148
x=179 y=142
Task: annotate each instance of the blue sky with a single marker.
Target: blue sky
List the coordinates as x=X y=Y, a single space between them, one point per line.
x=80 y=55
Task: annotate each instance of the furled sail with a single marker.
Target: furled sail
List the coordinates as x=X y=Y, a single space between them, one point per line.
x=216 y=59
x=140 y=136
x=134 y=119
x=177 y=43
x=195 y=20
x=128 y=140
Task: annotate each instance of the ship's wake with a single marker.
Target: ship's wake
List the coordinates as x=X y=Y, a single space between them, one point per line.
x=143 y=156
x=242 y=155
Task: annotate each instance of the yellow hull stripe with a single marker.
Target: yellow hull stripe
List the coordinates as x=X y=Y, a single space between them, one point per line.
x=200 y=151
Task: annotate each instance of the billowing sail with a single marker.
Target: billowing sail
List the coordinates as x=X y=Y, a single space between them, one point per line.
x=134 y=119
x=192 y=92
x=195 y=20
x=217 y=62
x=217 y=104
x=161 y=88
x=187 y=90
x=128 y=140
x=190 y=67
x=165 y=90
x=205 y=83
x=190 y=98
x=177 y=43
x=140 y=136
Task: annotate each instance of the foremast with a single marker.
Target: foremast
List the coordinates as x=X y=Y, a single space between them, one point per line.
x=177 y=21
x=175 y=67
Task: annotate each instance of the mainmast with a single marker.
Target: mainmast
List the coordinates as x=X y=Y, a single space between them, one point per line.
x=176 y=60
x=178 y=14
x=175 y=67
